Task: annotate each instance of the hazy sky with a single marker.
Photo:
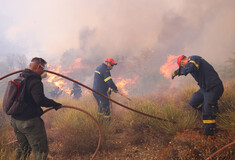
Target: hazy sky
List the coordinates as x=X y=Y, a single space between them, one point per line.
x=48 y=28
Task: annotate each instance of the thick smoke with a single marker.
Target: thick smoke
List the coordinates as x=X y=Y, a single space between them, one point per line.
x=137 y=34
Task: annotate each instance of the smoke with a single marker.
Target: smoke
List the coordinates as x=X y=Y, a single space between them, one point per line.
x=138 y=34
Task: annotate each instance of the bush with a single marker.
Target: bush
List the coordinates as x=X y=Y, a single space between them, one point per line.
x=75 y=133
x=168 y=110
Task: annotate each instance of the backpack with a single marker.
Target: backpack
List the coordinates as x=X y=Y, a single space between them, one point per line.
x=13 y=100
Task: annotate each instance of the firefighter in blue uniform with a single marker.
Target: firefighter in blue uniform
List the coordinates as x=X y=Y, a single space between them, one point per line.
x=102 y=82
x=76 y=92
x=211 y=88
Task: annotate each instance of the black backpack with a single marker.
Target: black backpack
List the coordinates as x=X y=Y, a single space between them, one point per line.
x=13 y=100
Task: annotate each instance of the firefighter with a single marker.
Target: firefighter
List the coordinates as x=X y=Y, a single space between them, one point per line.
x=76 y=92
x=56 y=92
x=102 y=82
x=28 y=126
x=211 y=88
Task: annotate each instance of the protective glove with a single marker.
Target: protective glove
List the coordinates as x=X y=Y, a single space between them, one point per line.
x=176 y=73
x=57 y=106
x=115 y=91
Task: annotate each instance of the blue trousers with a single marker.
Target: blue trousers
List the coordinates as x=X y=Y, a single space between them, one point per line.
x=103 y=106
x=209 y=100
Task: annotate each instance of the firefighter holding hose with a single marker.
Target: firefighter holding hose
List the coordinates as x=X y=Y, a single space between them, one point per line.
x=28 y=126
x=102 y=82
x=211 y=88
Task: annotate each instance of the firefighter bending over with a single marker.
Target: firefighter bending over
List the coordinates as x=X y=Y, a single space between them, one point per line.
x=102 y=82
x=211 y=88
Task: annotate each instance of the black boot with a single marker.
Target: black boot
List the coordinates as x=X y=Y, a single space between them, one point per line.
x=210 y=129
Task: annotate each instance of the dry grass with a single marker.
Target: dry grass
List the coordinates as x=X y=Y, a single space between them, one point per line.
x=192 y=145
x=72 y=135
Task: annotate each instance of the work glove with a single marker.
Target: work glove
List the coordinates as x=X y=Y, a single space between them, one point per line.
x=57 y=106
x=176 y=73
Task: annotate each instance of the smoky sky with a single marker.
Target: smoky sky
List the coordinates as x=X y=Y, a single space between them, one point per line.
x=138 y=34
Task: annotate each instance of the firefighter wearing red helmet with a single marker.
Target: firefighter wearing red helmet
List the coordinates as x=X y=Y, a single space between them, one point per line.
x=102 y=82
x=211 y=88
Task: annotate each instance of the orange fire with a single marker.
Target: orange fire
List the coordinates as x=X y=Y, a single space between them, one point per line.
x=77 y=64
x=57 y=81
x=124 y=84
x=169 y=66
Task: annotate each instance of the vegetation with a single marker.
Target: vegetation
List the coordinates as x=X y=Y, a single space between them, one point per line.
x=73 y=135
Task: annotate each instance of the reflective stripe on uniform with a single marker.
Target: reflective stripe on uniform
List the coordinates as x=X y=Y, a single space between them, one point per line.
x=108 y=78
x=106 y=116
x=194 y=63
x=199 y=106
x=209 y=121
x=100 y=113
x=97 y=72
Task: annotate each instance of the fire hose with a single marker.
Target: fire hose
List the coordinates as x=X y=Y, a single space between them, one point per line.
x=145 y=114
x=125 y=96
x=100 y=133
x=212 y=155
x=79 y=109
x=97 y=124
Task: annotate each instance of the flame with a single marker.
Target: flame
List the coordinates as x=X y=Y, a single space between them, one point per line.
x=78 y=60
x=125 y=84
x=169 y=66
x=77 y=64
x=57 y=81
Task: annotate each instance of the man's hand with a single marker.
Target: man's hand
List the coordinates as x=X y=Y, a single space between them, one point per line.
x=57 y=106
x=115 y=91
x=176 y=73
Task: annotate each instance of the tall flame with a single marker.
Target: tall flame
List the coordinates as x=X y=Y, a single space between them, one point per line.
x=169 y=66
x=57 y=81
x=125 y=84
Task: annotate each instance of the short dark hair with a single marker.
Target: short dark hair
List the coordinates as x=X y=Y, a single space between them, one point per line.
x=39 y=60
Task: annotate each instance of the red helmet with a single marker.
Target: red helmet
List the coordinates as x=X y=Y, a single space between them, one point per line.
x=111 y=61
x=179 y=59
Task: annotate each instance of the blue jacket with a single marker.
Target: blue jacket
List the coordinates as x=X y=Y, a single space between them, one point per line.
x=202 y=72
x=103 y=79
